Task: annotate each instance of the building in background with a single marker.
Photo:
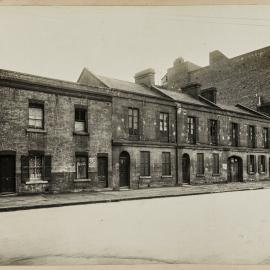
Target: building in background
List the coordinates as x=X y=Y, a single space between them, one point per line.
x=244 y=79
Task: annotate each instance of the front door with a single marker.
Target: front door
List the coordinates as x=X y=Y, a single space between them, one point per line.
x=235 y=169
x=186 y=169
x=103 y=170
x=124 y=169
x=7 y=174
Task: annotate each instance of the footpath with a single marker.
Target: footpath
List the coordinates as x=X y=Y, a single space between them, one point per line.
x=24 y=202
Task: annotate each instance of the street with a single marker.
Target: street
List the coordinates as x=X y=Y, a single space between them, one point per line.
x=227 y=228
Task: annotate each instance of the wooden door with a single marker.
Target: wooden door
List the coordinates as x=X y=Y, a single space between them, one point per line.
x=124 y=170
x=7 y=174
x=235 y=169
x=103 y=170
x=186 y=169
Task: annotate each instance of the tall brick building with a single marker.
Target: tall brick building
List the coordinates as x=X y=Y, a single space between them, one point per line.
x=244 y=79
x=103 y=133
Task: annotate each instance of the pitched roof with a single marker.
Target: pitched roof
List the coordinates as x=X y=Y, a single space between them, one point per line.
x=122 y=85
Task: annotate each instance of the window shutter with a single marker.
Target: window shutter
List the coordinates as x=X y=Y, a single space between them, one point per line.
x=47 y=168
x=24 y=169
x=255 y=164
x=197 y=130
x=238 y=135
x=255 y=137
x=248 y=164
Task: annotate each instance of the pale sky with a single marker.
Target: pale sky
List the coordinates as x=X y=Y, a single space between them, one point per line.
x=117 y=42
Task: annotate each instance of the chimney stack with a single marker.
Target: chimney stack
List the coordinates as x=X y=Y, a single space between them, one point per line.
x=192 y=89
x=145 y=77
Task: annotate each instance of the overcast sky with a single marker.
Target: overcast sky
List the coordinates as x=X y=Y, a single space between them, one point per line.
x=117 y=42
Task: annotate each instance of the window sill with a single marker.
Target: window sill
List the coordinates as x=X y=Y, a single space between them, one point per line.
x=33 y=182
x=166 y=176
x=145 y=177
x=199 y=175
x=216 y=174
x=80 y=133
x=251 y=173
x=82 y=180
x=262 y=173
x=36 y=130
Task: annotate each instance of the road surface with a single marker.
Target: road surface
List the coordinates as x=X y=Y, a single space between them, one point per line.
x=231 y=228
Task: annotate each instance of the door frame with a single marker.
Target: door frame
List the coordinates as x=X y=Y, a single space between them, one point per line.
x=11 y=154
x=186 y=157
x=240 y=168
x=124 y=154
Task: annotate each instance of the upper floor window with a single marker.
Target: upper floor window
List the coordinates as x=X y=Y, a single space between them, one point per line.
x=191 y=130
x=265 y=138
x=166 y=163
x=200 y=164
x=36 y=115
x=213 y=132
x=164 y=126
x=145 y=163
x=235 y=134
x=251 y=137
x=133 y=121
x=80 y=119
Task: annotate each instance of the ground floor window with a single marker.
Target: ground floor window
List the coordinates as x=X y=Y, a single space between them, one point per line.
x=145 y=163
x=216 y=164
x=262 y=164
x=166 y=163
x=251 y=164
x=200 y=164
x=36 y=168
x=81 y=167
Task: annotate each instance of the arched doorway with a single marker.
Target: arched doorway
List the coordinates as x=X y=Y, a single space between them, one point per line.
x=124 y=169
x=235 y=169
x=186 y=169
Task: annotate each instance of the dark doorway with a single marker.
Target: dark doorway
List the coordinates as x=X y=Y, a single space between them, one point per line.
x=235 y=169
x=186 y=169
x=103 y=170
x=7 y=174
x=124 y=167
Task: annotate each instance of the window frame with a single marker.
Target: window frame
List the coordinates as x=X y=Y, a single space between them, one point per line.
x=191 y=125
x=235 y=139
x=85 y=121
x=213 y=128
x=251 y=136
x=265 y=138
x=132 y=118
x=84 y=156
x=200 y=164
x=35 y=167
x=164 y=122
x=166 y=164
x=261 y=165
x=251 y=164
x=37 y=105
x=145 y=163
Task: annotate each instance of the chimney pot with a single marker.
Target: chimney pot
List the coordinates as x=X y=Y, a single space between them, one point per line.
x=192 y=89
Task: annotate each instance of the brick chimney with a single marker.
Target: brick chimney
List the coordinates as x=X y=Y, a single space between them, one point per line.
x=216 y=57
x=192 y=89
x=145 y=77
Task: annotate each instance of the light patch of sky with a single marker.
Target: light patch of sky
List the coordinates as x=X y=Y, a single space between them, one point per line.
x=117 y=42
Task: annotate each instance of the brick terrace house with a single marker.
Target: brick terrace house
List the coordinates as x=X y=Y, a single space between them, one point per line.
x=242 y=79
x=103 y=133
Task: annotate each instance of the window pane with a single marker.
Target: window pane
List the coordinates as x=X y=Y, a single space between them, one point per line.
x=79 y=126
x=81 y=165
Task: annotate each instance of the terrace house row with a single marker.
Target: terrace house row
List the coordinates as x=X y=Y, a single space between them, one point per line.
x=103 y=133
